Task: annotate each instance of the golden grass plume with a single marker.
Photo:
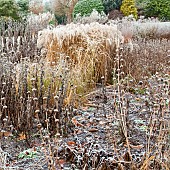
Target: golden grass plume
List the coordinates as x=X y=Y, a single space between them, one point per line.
x=90 y=47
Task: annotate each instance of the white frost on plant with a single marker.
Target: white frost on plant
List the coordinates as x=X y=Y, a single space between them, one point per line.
x=92 y=33
x=39 y=22
x=95 y=16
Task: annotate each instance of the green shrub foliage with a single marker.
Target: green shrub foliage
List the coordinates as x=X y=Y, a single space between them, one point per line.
x=61 y=19
x=128 y=8
x=23 y=7
x=9 y=8
x=110 y=5
x=85 y=7
x=158 y=8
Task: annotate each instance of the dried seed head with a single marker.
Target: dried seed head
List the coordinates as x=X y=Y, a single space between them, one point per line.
x=37 y=111
x=43 y=143
x=33 y=79
x=39 y=126
x=47 y=120
x=67 y=69
x=4 y=107
x=47 y=137
x=55 y=110
x=56 y=120
x=5 y=119
x=140 y=82
x=28 y=92
x=67 y=57
x=57 y=134
x=44 y=98
x=34 y=89
x=102 y=77
x=156 y=105
x=35 y=99
x=56 y=97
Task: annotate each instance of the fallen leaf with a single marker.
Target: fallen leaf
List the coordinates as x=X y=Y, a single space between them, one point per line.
x=91 y=105
x=22 y=136
x=110 y=116
x=136 y=147
x=76 y=123
x=61 y=161
x=102 y=122
x=138 y=99
x=5 y=134
x=93 y=130
x=84 y=108
x=71 y=143
x=88 y=124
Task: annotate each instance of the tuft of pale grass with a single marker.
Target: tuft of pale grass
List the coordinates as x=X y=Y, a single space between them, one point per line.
x=90 y=47
x=37 y=22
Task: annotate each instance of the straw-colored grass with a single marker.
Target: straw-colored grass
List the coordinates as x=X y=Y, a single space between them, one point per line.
x=91 y=48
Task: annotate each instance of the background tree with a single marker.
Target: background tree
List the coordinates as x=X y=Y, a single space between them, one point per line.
x=9 y=8
x=23 y=6
x=158 y=8
x=85 y=7
x=47 y=6
x=36 y=6
x=128 y=8
x=110 y=5
x=63 y=9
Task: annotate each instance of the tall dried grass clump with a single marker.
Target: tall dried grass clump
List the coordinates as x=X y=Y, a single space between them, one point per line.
x=90 y=47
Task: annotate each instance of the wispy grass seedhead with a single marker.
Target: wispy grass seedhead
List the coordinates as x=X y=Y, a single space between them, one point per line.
x=91 y=48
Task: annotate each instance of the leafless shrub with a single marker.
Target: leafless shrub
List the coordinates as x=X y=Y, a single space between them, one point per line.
x=147 y=58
